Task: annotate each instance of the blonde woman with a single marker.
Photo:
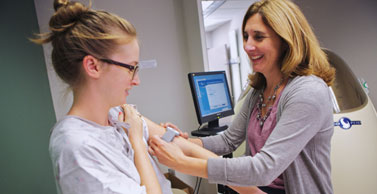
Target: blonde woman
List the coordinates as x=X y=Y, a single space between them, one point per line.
x=286 y=119
x=97 y=53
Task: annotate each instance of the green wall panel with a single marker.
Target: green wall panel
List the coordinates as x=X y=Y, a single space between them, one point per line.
x=26 y=109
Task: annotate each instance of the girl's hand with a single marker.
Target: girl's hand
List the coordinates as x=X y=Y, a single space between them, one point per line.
x=133 y=118
x=168 y=124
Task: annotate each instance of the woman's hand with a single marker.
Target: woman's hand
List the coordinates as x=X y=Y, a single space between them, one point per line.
x=182 y=134
x=133 y=118
x=168 y=154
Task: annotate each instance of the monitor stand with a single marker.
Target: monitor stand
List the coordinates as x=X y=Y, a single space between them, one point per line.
x=211 y=129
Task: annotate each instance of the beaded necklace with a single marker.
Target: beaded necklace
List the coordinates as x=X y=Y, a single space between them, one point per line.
x=261 y=105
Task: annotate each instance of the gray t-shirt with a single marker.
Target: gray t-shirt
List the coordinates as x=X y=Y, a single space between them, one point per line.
x=89 y=158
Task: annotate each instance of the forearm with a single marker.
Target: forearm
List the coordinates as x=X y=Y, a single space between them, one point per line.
x=196 y=164
x=144 y=167
x=199 y=167
x=187 y=157
x=193 y=166
x=196 y=141
x=192 y=149
x=154 y=128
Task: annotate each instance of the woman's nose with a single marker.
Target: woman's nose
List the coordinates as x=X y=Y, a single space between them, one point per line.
x=136 y=80
x=249 y=45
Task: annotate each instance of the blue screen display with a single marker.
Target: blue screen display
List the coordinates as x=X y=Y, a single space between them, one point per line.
x=212 y=93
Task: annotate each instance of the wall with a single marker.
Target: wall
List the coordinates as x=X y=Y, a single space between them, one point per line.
x=348 y=28
x=219 y=36
x=168 y=33
x=26 y=112
x=222 y=34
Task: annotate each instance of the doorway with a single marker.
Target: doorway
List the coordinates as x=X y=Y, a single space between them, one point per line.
x=222 y=36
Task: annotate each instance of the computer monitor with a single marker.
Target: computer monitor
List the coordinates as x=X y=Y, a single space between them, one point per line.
x=212 y=100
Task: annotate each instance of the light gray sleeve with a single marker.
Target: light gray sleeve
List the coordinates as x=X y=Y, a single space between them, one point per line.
x=304 y=111
x=85 y=171
x=228 y=141
x=81 y=181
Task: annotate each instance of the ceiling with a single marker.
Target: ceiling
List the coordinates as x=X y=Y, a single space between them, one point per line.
x=218 y=12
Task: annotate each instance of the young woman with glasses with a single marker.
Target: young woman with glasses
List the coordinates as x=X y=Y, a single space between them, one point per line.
x=96 y=53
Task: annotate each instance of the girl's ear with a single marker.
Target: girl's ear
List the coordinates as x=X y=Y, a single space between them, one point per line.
x=92 y=66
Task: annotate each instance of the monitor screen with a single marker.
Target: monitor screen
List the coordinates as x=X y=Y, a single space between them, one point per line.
x=211 y=96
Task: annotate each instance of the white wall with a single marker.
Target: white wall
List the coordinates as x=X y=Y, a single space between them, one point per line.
x=168 y=31
x=218 y=36
x=61 y=96
x=348 y=28
x=221 y=35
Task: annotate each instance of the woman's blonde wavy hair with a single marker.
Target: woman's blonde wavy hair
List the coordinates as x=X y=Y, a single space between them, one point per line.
x=303 y=55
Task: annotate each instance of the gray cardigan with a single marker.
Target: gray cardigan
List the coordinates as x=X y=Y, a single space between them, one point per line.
x=298 y=147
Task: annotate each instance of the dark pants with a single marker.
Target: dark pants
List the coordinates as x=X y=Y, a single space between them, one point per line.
x=270 y=190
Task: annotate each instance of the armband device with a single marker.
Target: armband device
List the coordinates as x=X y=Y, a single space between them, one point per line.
x=169 y=134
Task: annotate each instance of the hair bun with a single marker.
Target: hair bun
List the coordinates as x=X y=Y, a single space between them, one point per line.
x=67 y=13
x=60 y=3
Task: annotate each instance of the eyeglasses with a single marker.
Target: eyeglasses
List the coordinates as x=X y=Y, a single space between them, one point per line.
x=133 y=69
